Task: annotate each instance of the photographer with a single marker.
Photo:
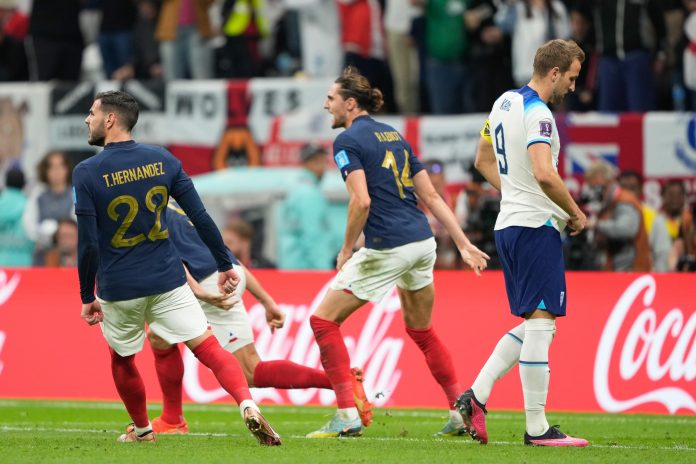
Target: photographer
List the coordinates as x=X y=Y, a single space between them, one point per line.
x=618 y=226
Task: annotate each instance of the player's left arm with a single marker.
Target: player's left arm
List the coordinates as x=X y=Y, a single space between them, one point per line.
x=275 y=317
x=358 y=212
x=186 y=196
x=426 y=192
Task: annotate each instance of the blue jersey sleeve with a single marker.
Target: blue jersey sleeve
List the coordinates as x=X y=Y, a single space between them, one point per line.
x=83 y=194
x=415 y=164
x=346 y=154
x=182 y=182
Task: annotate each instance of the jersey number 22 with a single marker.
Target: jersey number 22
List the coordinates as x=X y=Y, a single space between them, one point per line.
x=156 y=233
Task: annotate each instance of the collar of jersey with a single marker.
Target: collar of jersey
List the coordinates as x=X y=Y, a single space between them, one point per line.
x=124 y=144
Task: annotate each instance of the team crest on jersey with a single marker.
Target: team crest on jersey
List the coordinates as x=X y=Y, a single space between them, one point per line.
x=341 y=159
x=505 y=106
x=545 y=128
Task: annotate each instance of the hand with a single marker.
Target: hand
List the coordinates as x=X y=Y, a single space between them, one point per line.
x=474 y=258
x=275 y=318
x=577 y=223
x=219 y=301
x=227 y=281
x=343 y=256
x=92 y=312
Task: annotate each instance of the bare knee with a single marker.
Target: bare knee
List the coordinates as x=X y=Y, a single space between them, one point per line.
x=417 y=307
x=157 y=342
x=248 y=359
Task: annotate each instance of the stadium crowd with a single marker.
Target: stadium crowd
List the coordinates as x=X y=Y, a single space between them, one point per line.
x=427 y=56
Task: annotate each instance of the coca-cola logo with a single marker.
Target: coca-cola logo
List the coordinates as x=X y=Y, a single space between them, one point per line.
x=645 y=352
x=377 y=353
x=7 y=288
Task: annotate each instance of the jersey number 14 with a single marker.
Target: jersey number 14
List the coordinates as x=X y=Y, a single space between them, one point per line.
x=403 y=180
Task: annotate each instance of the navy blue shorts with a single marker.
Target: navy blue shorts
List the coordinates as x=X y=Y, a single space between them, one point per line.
x=533 y=266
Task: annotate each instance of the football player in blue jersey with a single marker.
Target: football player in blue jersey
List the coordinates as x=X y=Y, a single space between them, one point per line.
x=383 y=177
x=518 y=155
x=121 y=197
x=229 y=322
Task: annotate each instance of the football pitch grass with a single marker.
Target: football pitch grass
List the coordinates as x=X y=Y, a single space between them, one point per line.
x=85 y=432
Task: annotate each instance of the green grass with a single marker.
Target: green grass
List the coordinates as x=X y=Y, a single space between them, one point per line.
x=85 y=432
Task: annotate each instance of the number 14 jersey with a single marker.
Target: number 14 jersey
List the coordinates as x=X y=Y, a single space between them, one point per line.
x=519 y=119
x=126 y=187
x=389 y=165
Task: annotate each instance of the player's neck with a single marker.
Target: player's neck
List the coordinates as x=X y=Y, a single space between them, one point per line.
x=116 y=137
x=541 y=88
x=353 y=117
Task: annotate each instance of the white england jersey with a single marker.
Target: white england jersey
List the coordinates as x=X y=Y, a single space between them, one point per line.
x=519 y=119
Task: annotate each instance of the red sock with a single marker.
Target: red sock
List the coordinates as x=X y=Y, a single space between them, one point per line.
x=170 y=373
x=225 y=367
x=130 y=387
x=439 y=361
x=334 y=358
x=287 y=374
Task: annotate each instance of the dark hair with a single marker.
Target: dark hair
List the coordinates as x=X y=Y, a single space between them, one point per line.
x=121 y=103
x=557 y=53
x=14 y=178
x=673 y=183
x=355 y=85
x=42 y=167
x=631 y=174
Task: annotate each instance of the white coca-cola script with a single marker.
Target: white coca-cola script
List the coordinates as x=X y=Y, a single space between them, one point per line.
x=377 y=353
x=7 y=288
x=643 y=348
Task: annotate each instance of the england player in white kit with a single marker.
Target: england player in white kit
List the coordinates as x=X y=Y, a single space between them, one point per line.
x=518 y=155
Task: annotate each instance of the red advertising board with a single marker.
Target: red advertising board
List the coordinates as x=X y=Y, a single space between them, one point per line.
x=628 y=343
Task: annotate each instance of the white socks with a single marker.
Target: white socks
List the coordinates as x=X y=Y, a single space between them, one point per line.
x=504 y=357
x=534 y=372
x=456 y=418
x=348 y=414
x=247 y=404
x=142 y=431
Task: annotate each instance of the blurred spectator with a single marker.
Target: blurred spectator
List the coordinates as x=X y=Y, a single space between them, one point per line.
x=244 y=24
x=447 y=63
x=116 y=38
x=238 y=236
x=403 y=56
x=64 y=250
x=146 y=60
x=531 y=23
x=55 y=43
x=364 y=46
x=183 y=30
x=15 y=247
x=304 y=234
x=618 y=226
x=683 y=255
x=629 y=52
x=674 y=205
x=491 y=65
x=236 y=148
x=13 y=30
x=655 y=225
x=582 y=32
x=49 y=202
x=446 y=249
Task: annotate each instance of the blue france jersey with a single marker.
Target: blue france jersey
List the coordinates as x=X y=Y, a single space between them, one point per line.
x=126 y=187
x=190 y=247
x=389 y=165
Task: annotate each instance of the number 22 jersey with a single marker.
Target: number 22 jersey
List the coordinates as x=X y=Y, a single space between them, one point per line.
x=126 y=187
x=389 y=166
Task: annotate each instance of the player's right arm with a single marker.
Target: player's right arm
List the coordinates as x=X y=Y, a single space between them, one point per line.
x=219 y=301
x=553 y=186
x=87 y=244
x=485 y=162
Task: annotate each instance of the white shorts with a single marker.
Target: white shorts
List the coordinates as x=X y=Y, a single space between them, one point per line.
x=232 y=328
x=369 y=274
x=175 y=316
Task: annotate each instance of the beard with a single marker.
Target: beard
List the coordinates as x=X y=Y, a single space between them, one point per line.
x=556 y=97
x=96 y=139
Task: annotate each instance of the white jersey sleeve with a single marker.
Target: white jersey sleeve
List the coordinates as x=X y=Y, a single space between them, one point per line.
x=518 y=120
